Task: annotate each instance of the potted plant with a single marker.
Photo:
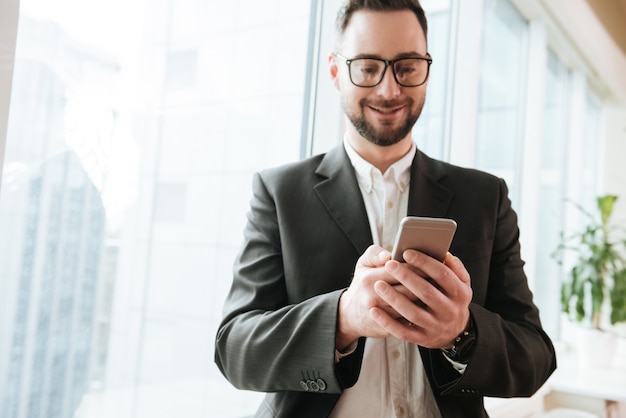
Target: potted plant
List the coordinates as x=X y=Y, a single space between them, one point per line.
x=598 y=271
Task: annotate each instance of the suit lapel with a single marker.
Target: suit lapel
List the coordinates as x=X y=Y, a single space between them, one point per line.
x=340 y=194
x=427 y=196
x=339 y=191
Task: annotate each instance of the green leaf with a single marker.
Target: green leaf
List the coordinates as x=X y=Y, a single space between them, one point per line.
x=605 y=204
x=618 y=297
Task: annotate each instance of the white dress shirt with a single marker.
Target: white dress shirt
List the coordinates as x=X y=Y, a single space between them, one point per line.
x=392 y=382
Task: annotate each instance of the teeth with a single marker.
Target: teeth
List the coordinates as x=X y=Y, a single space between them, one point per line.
x=386 y=111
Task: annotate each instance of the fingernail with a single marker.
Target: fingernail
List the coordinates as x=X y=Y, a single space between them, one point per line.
x=409 y=256
x=384 y=255
x=391 y=266
x=380 y=287
x=374 y=314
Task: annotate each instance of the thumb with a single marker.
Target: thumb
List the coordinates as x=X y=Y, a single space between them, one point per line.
x=374 y=256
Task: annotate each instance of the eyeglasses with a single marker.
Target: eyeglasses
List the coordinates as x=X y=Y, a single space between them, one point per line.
x=369 y=72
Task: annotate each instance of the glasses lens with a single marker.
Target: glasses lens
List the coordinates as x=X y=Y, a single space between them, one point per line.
x=411 y=71
x=365 y=72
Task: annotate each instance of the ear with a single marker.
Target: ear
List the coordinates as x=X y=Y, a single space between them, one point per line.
x=333 y=68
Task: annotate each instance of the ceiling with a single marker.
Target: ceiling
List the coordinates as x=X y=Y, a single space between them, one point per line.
x=612 y=14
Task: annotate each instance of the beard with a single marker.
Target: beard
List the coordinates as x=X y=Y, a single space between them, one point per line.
x=385 y=135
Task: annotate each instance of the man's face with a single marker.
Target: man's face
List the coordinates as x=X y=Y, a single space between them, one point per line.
x=383 y=114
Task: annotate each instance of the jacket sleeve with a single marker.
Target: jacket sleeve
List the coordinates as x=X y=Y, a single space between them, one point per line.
x=270 y=340
x=513 y=356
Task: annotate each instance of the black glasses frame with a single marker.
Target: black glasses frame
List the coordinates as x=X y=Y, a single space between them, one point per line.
x=388 y=63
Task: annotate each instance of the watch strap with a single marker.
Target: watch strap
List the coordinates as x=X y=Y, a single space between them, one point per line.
x=463 y=344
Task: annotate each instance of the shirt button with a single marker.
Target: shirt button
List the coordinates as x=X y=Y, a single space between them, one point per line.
x=390 y=204
x=395 y=354
x=401 y=411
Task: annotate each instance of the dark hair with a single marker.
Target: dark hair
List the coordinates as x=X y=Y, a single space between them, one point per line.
x=352 y=6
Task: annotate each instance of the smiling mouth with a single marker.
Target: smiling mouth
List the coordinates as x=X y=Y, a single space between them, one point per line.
x=386 y=110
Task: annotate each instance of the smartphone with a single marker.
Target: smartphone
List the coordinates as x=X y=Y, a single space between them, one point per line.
x=431 y=236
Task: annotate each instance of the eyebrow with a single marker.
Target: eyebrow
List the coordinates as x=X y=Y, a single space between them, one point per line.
x=398 y=56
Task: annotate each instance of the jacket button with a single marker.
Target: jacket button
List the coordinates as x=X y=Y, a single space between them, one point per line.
x=303 y=385
x=321 y=384
x=313 y=386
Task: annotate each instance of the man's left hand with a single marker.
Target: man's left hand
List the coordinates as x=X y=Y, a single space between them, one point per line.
x=443 y=291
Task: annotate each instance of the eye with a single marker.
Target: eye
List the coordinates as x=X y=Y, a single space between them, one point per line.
x=369 y=70
x=406 y=68
x=368 y=67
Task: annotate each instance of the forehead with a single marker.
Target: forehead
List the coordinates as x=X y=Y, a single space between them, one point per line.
x=384 y=34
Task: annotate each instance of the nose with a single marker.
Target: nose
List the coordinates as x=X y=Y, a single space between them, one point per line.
x=388 y=86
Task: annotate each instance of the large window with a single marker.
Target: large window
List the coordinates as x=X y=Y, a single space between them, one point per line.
x=503 y=67
x=535 y=121
x=568 y=173
x=552 y=183
x=430 y=134
x=134 y=130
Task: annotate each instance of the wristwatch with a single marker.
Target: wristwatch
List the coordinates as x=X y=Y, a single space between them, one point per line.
x=463 y=345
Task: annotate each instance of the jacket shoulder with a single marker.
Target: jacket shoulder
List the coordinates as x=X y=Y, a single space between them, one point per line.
x=289 y=170
x=311 y=169
x=444 y=169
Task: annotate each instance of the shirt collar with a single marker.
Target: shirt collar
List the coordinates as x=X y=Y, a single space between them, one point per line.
x=400 y=170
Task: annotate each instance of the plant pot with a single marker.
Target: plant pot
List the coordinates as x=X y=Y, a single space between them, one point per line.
x=595 y=348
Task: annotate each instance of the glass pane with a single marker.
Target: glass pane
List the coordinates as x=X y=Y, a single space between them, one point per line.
x=550 y=222
x=501 y=87
x=591 y=150
x=428 y=132
x=133 y=134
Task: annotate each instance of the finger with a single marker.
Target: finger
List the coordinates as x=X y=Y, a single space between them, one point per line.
x=410 y=331
x=398 y=327
x=374 y=256
x=456 y=265
x=438 y=274
x=423 y=287
x=404 y=291
x=394 y=295
x=413 y=310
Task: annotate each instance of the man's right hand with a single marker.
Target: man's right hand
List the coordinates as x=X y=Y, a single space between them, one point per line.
x=354 y=319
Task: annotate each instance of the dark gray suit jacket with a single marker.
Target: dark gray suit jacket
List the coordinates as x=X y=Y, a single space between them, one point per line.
x=306 y=229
